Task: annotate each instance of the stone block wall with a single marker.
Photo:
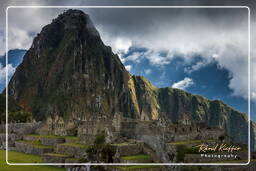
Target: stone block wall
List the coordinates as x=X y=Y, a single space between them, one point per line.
x=30 y=149
x=51 y=141
x=131 y=149
x=73 y=151
x=11 y=140
x=22 y=128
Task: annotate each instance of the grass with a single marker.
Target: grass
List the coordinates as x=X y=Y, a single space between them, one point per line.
x=36 y=144
x=120 y=144
x=56 y=155
x=136 y=157
x=71 y=137
x=72 y=159
x=135 y=167
x=189 y=142
x=44 y=136
x=52 y=136
x=17 y=157
x=75 y=145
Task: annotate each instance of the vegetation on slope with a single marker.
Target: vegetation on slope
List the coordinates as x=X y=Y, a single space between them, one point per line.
x=17 y=157
x=15 y=112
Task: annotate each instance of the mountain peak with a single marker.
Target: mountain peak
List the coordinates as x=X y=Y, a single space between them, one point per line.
x=74 y=19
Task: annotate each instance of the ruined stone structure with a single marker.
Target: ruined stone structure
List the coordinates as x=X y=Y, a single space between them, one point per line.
x=120 y=127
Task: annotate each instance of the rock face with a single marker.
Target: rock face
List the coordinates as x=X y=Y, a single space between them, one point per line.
x=68 y=71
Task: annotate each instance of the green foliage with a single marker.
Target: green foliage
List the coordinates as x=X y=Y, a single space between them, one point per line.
x=19 y=116
x=221 y=138
x=15 y=112
x=100 y=139
x=100 y=151
x=181 y=150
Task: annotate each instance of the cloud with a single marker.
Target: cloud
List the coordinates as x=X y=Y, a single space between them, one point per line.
x=183 y=84
x=155 y=58
x=196 y=66
x=135 y=57
x=148 y=71
x=2 y=46
x=122 y=45
x=10 y=69
x=128 y=67
x=235 y=61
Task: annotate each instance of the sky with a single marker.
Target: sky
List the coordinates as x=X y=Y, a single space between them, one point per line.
x=202 y=51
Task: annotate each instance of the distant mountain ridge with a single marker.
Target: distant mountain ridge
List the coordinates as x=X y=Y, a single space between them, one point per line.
x=68 y=71
x=15 y=57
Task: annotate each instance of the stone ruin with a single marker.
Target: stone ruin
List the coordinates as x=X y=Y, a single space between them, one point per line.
x=119 y=128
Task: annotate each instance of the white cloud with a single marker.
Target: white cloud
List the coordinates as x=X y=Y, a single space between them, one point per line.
x=235 y=61
x=128 y=67
x=253 y=95
x=148 y=71
x=2 y=45
x=122 y=45
x=155 y=58
x=196 y=66
x=10 y=69
x=183 y=84
x=135 y=57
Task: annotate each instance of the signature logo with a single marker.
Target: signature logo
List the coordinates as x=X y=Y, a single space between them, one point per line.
x=218 y=148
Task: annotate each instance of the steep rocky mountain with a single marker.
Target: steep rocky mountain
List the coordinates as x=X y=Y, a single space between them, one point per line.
x=68 y=71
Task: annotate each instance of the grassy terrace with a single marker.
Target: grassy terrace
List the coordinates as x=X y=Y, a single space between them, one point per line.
x=71 y=137
x=36 y=144
x=189 y=142
x=52 y=136
x=120 y=144
x=16 y=157
x=136 y=157
x=75 y=145
x=45 y=136
x=56 y=155
x=135 y=167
